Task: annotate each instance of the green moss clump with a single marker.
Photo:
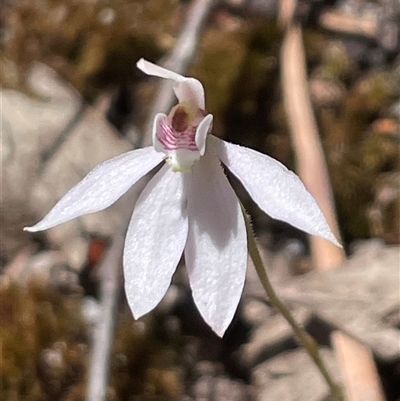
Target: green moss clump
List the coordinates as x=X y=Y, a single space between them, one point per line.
x=356 y=154
x=218 y=64
x=238 y=69
x=146 y=361
x=45 y=350
x=40 y=331
x=92 y=44
x=336 y=64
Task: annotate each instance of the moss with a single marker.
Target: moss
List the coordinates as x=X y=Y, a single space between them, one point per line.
x=237 y=68
x=218 y=65
x=357 y=155
x=336 y=63
x=315 y=43
x=384 y=212
x=33 y=320
x=379 y=89
x=145 y=364
x=45 y=349
x=92 y=44
x=251 y=110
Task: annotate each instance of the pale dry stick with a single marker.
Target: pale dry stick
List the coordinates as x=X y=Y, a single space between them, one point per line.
x=341 y=22
x=313 y=171
x=98 y=376
x=103 y=334
x=311 y=165
x=110 y=270
x=358 y=369
x=311 y=168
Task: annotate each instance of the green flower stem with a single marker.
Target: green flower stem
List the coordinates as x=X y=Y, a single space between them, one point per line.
x=304 y=338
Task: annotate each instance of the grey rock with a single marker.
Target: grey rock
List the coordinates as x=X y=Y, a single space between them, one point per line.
x=357 y=297
x=292 y=376
x=213 y=387
x=49 y=142
x=255 y=312
x=272 y=337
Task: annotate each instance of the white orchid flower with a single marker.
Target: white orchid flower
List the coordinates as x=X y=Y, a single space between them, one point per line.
x=189 y=206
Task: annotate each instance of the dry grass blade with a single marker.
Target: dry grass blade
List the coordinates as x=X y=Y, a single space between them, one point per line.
x=311 y=165
x=360 y=377
x=358 y=369
x=104 y=331
x=348 y=24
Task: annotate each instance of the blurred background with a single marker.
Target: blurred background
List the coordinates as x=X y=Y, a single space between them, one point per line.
x=72 y=98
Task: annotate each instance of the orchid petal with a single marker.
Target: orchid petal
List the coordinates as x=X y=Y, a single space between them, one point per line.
x=276 y=190
x=202 y=131
x=101 y=187
x=155 y=240
x=216 y=250
x=159 y=117
x=186 y=89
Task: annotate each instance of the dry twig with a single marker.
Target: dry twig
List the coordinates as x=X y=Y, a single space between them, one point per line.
x=311 y=165
x=103 y=334
x=355 y=359
x=358 y=369
x=337 y=21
